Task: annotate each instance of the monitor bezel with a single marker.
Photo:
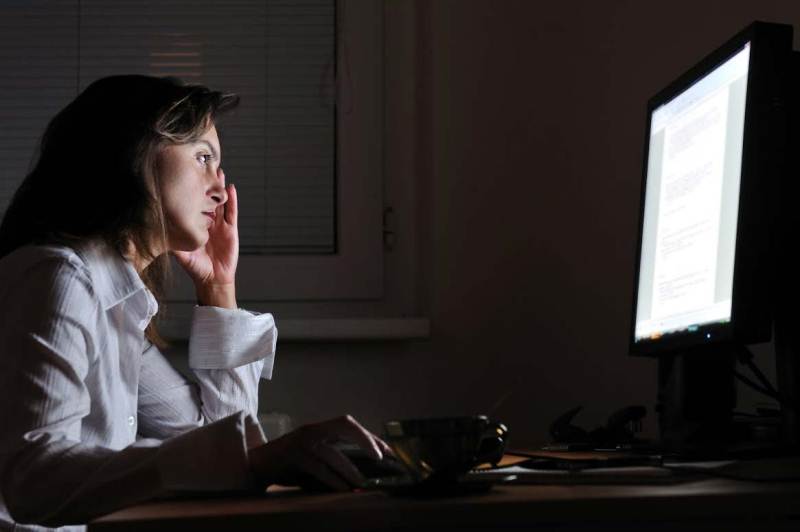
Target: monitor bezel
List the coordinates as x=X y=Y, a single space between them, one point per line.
x=763 y=165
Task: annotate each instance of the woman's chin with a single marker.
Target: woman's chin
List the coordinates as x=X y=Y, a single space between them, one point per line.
x=189 y=242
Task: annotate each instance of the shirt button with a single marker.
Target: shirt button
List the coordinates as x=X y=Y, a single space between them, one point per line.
x=131 y=420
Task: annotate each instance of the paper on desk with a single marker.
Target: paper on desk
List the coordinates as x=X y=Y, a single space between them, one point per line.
x=599 y=475
x=780 y=468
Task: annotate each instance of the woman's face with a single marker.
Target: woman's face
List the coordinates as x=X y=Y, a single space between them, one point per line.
x=192 y=188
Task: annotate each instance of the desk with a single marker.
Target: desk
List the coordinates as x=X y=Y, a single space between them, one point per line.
x=707 y=505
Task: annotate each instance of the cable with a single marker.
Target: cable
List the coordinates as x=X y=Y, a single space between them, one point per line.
x=757 y=387
x=745 y=357
x=760 y=375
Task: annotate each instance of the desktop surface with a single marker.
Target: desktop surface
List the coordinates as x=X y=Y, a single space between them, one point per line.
x=698 y=503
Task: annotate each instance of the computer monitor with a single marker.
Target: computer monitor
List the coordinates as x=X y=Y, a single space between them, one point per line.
x=712 y=225
x=712 y=170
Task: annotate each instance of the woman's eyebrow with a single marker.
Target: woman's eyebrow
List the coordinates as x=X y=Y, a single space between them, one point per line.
x=210 y=147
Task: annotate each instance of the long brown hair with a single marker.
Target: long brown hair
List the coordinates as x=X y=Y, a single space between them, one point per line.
x=95 y=174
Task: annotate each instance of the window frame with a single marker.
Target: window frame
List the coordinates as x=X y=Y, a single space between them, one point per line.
x=355 y=271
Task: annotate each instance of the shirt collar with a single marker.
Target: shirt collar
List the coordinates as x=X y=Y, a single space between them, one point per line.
x=115 y=279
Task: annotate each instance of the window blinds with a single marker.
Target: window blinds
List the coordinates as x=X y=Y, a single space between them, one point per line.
x=38 y=77
x=279 y=56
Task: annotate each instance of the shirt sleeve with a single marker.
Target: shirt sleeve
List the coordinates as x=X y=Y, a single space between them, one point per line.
x=49 y=474
x=229 y=351
x=85 y=481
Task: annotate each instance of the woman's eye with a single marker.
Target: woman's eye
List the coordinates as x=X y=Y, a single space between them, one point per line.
x=204 y=158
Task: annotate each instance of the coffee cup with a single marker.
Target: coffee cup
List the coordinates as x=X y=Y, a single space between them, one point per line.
x=442 y=449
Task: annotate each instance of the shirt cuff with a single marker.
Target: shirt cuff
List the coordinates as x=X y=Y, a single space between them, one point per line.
x=211 y=458
x=225 y=338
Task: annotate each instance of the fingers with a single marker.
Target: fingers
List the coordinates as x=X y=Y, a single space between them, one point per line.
x=232 y=206
x=350 y=429
x=307 y=451
x=385 y=447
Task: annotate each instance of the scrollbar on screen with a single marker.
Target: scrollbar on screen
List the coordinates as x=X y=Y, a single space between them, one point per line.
x=691 y=204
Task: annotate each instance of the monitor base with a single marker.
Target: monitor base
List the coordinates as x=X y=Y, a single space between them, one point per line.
x=696 y=398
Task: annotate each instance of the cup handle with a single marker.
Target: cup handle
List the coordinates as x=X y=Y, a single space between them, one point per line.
x=493 y=444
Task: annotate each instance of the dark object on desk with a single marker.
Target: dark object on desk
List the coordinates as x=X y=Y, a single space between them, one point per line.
x=620 y=430
x=442 y=449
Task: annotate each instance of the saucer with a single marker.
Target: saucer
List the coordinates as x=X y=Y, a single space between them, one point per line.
x=405 y=486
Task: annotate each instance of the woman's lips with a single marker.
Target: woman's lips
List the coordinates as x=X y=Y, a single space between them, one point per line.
x=211 y=215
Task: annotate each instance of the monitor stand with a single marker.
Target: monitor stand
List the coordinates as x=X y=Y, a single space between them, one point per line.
x=696 y=398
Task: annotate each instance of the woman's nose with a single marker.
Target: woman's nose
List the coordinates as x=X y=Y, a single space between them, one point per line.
x=218 y=191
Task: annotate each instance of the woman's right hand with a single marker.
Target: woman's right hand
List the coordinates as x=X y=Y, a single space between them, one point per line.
x=307 y=452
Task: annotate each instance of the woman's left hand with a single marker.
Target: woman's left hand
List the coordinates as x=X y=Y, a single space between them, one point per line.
x=213 y=266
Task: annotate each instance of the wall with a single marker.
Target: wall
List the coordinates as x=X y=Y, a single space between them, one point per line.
x=528 y=128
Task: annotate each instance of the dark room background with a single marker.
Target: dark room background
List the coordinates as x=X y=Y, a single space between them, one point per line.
x=513 y=136
x=528 y=133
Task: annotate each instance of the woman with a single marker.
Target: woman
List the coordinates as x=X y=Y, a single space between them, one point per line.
x=93 y=418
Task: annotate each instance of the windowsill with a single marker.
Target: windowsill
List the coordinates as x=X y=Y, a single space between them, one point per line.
x=353 y=329
x=176 y=328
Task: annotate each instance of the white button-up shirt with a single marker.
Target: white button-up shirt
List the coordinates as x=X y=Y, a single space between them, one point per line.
x=92 y=416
